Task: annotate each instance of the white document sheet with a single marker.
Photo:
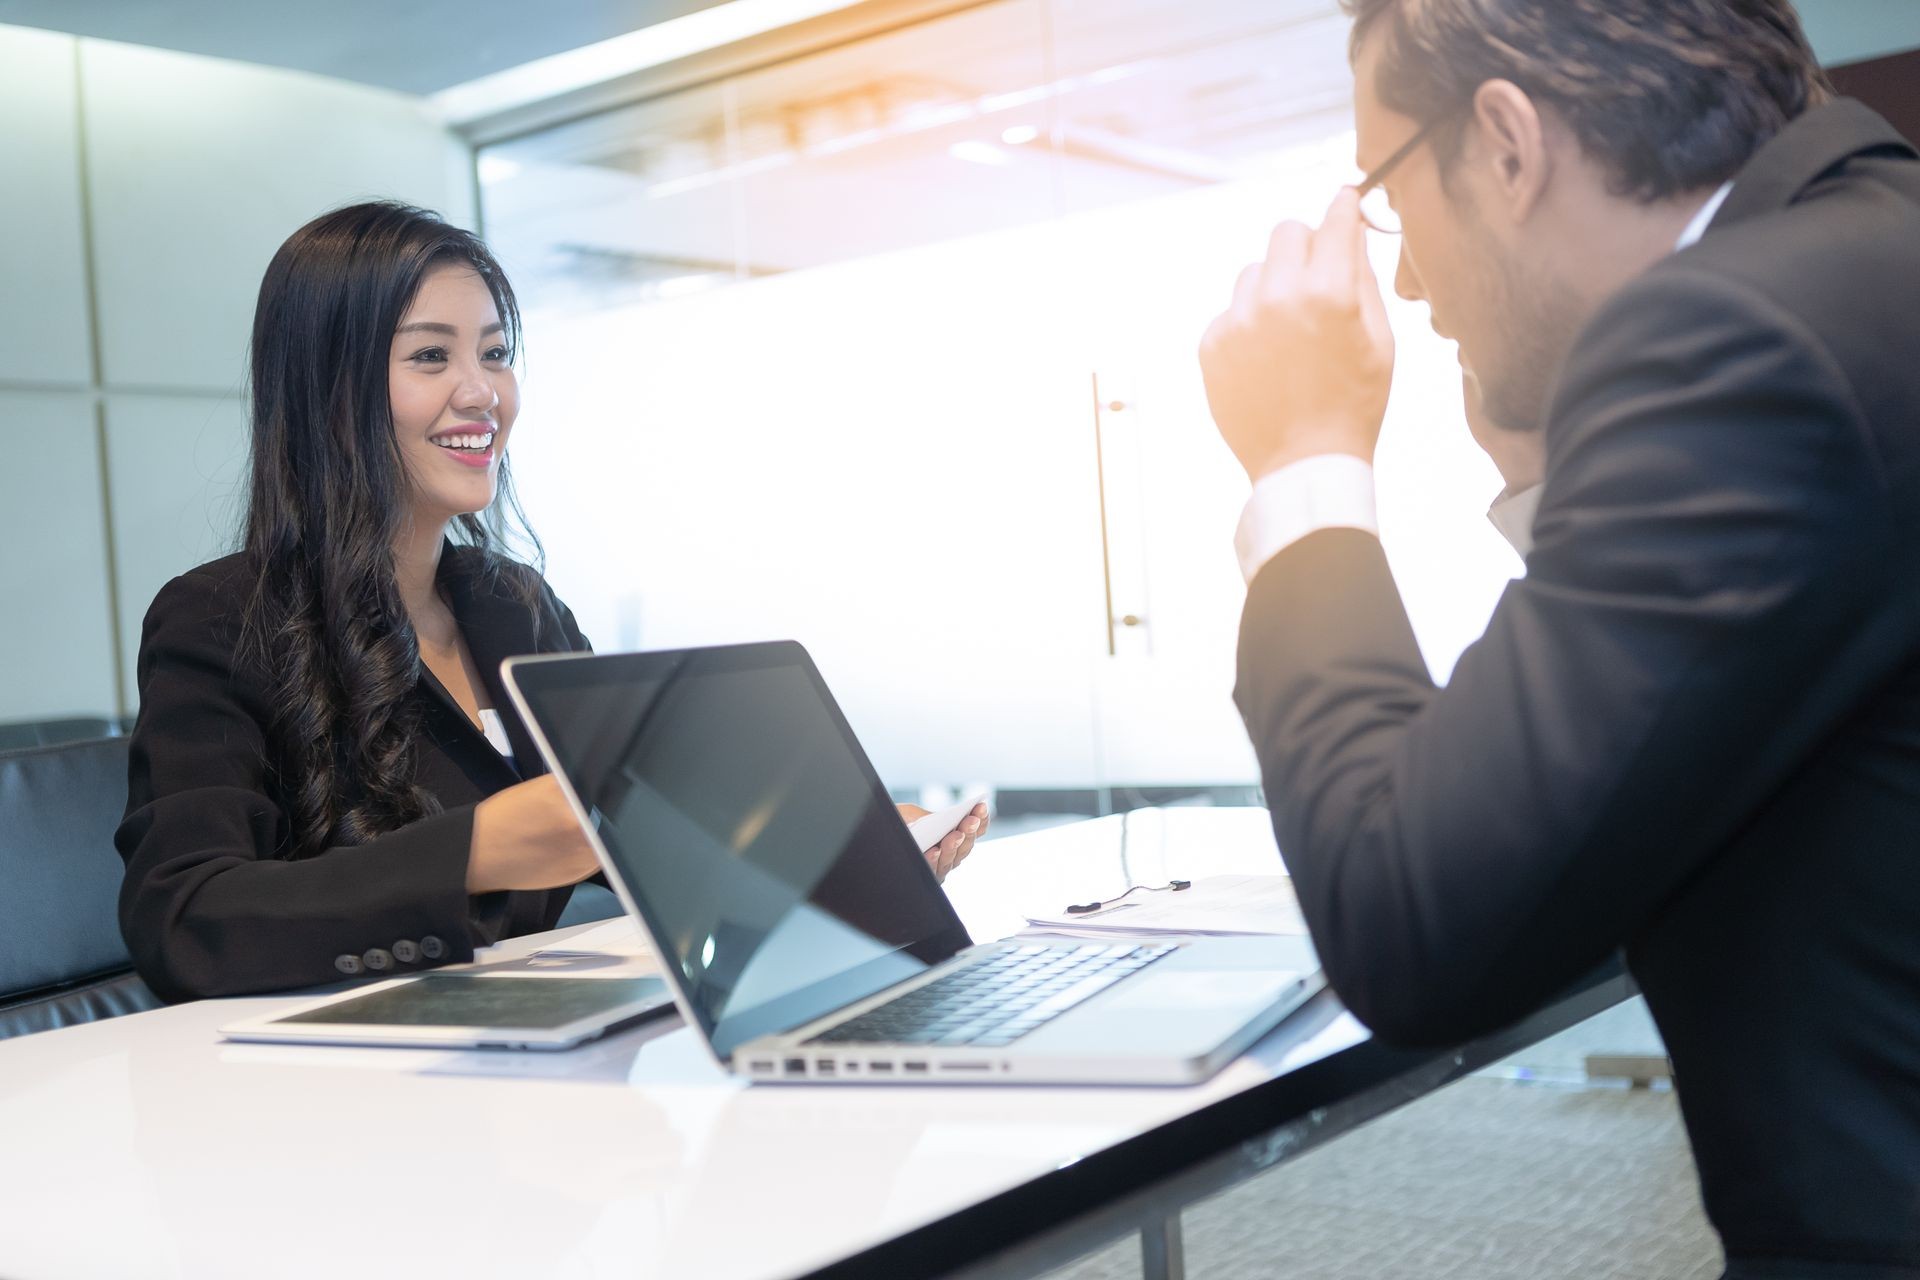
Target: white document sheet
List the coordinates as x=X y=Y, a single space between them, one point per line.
x=1217 y=905
x=616 y=937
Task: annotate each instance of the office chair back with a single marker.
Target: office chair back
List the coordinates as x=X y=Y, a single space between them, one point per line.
x=62 y=960
x=17 y=735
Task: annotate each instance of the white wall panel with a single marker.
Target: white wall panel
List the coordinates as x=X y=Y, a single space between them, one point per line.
x=43 y=326
x=1853 y=30
x=177 y=470
x=56 y=633
x=200 y=168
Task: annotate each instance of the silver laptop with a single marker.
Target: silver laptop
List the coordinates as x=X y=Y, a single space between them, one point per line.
x=802 y=932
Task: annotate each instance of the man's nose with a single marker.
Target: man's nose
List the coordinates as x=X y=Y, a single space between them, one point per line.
x=1406 y=280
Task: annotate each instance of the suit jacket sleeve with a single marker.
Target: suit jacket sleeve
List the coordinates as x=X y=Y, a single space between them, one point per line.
x=1711 y=538
x=208 y=907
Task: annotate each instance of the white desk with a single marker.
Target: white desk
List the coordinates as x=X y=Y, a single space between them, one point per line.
x=146 y=1146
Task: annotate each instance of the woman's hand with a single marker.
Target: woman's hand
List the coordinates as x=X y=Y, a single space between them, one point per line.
x=956 y=844
x=526 y=837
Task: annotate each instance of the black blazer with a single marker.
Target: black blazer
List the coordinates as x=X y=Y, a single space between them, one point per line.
x=211 y=906
x=1692 y=730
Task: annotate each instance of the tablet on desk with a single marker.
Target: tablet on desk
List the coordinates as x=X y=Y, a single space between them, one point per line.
x=465 y=1011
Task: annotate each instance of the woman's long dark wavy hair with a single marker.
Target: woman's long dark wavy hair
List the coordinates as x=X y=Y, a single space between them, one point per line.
x=328 y=498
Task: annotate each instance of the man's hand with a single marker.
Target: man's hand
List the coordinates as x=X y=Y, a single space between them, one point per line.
x=956 y=844
x=1301 y=363
x=1519 y=452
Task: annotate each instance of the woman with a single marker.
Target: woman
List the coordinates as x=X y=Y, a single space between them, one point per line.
x=325 y=777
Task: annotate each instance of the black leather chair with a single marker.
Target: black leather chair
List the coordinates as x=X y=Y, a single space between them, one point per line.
x=18 y=735
x=62 y=960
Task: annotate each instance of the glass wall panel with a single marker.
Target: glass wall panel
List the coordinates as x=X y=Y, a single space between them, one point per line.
x=910 y=138
x=891 y=349
x=636 y=205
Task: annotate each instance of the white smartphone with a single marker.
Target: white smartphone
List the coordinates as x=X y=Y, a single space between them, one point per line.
x=932 y=829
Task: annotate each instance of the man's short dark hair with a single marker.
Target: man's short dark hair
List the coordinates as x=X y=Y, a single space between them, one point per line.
x=1670 y=96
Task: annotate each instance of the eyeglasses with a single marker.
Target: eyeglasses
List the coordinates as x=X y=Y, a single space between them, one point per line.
x=1376 y=210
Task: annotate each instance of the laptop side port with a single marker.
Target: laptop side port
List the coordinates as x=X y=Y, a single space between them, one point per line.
x=879 y=1068
x=761 y=1066
x=966 y=1066
x=796 y=1066
x=824 y=1066
x=911 y=1067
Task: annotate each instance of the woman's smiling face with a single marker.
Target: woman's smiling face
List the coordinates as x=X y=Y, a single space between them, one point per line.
x=453 y=394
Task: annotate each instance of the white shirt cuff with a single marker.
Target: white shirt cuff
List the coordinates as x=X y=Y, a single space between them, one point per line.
x=1512 y=514
x=1331 y=491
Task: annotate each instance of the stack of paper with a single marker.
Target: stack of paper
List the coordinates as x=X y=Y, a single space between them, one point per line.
x=1216 y=906
x=619 y=936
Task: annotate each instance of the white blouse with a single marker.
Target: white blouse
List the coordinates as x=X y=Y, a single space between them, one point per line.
x=496 y=731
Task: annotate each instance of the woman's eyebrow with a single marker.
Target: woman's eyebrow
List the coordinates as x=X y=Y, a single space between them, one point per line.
x=430 y=326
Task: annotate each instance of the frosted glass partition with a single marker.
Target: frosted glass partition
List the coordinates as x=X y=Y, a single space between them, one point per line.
x=931 y=404
x=791 y=459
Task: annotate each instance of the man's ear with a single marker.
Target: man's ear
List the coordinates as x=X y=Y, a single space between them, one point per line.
x=1514 y=158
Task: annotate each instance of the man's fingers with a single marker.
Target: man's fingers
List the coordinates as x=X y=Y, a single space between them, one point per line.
x=1345 y=220
x=1287 y=250
x=1335 y=247
x=1246 y=292
x=1373 y=303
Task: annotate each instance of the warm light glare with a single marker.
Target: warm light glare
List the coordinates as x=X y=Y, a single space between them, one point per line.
x=681 y=286
x=497 y=168
x=653 y=46
x=978 y=153
x=1019 y=135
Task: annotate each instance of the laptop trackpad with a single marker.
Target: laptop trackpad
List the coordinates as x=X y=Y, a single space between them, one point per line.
x=1182 y=1012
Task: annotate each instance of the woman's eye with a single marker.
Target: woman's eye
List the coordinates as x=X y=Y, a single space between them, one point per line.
x=432 y=355
x=497 y=354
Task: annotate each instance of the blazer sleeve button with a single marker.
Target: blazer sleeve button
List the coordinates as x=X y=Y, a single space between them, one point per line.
x=406 y=951
x=349 y=965
x=378 y=960
x=432 y=948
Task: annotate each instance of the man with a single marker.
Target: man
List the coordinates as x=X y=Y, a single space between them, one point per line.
x=1693 y=729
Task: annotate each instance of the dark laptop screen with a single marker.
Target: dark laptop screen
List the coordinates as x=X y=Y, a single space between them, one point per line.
x=748 y=827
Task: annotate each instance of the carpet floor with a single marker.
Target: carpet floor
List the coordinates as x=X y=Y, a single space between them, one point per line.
x=1523 y=1172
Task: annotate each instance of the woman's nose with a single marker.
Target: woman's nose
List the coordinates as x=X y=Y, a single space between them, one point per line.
x=476 y=392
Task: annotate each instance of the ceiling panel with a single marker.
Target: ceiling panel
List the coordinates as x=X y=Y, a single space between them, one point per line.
x=421 y=46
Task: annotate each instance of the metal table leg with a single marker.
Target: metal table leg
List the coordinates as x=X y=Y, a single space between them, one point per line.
x=1163 y=1252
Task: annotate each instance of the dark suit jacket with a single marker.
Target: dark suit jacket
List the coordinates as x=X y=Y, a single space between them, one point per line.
x=1693 y=729
x=210 y=905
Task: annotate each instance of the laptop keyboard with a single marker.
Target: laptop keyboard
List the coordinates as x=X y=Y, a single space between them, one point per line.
x=1004 y=996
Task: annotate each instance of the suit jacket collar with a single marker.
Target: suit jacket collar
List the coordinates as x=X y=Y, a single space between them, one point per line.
x=1791 y=161
x=496 y=624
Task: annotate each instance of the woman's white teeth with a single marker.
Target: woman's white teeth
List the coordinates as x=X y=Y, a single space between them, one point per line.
x=464 y=442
